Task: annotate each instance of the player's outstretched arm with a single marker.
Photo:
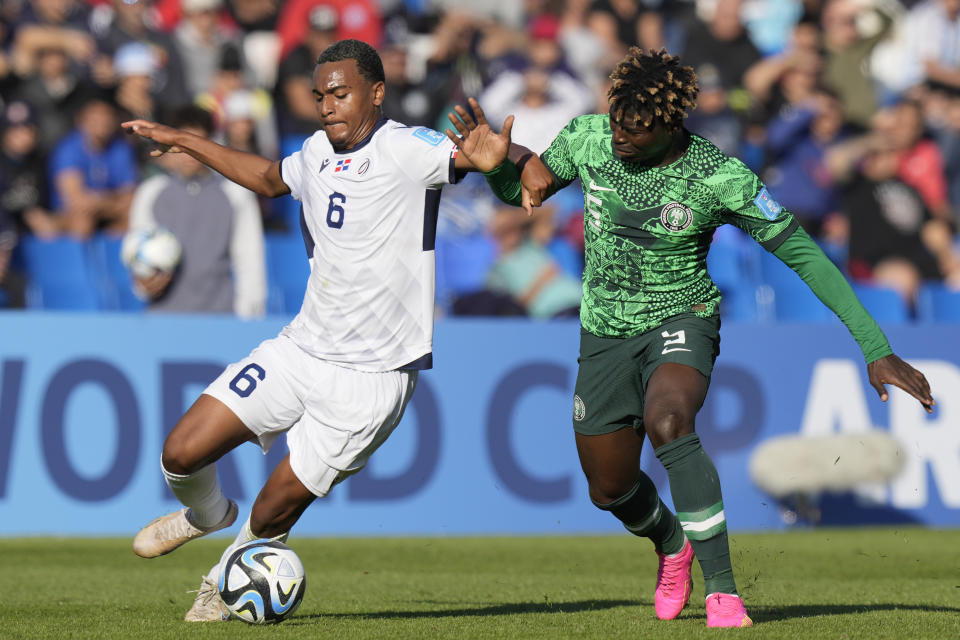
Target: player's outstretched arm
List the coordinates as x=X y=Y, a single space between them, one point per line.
x=249 y=170
x=515 y=174
x=801 y=254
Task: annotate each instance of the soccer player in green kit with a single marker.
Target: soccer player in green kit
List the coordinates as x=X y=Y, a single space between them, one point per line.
x=653 y=195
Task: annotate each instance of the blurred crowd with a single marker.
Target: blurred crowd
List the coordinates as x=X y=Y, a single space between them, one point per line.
x=848 y=109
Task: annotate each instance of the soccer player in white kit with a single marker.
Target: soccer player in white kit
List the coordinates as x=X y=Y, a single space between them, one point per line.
x=338 y=377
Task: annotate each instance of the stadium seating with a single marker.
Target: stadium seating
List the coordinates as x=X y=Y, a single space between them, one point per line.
x=116 y=283
x=61 y=277
x=463 y=262
x=793 y=301
x=884 y=304
x=728 y=267
x=287 y=273
x=938 y=303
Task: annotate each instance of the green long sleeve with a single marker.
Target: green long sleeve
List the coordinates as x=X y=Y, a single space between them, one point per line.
x=801 y=254
x=505 y=183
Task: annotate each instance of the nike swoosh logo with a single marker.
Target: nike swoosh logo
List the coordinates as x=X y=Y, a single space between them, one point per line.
x=674 y=349
x=595 y=187
x=323 y=165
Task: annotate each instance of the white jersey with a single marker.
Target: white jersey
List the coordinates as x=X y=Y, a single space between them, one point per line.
x=369 y=218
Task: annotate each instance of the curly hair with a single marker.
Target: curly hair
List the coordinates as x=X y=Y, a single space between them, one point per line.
x=368 y=60
x=652 y=85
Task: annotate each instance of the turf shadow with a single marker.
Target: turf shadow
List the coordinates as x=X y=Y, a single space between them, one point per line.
x=774 y=613
x=492 y=610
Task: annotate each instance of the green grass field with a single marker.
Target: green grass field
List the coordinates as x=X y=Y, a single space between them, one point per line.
x=852 y=583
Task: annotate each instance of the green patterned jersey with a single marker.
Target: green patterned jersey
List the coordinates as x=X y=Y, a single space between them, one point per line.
x=647 y=229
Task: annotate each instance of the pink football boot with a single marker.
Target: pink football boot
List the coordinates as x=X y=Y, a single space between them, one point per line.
x=673 y=583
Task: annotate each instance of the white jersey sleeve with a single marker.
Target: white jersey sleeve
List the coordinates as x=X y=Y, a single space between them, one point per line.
x=425 y=155
x=292 y=167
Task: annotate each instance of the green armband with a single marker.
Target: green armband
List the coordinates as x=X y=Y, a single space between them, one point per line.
x=801 y=254
x=504 y=181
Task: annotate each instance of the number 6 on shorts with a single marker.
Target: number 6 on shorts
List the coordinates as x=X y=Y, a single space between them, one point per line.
x=251 y=382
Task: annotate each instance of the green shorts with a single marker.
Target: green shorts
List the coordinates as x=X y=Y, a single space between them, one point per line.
x=613 y=374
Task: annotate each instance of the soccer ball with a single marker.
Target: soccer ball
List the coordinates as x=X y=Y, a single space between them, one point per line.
x=147 y=251
x=262 y=582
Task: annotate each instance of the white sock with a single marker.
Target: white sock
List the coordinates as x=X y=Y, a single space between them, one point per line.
x=246 y=535
x=201 y=492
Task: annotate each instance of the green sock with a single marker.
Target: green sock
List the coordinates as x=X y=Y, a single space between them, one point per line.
x=695 y=486
x=643 y=513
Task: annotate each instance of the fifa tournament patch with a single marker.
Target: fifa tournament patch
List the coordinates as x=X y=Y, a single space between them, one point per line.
x=342 y=165
x=429 y=136
x=767 y=205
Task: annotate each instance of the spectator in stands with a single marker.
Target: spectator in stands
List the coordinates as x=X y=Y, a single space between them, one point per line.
x=93 y=172
x=797 y=142
x=626 y=23
x=260 y=41
x=786 y=79
x=122 y=22
x=543 y=96
x=24 y=194
x=723 y=42
x=52 y=24
x=56 y=94
x=921 y=163
x=894 y=240
x=586 y=51
x=21 y=194
x=525 y=269
x=356 y=19
x=946 y=130
x=851 y=31
x=199 y=40
x=405 y=101
x=136 y=65
x=222 y=266
x=230 y=80
x=926 y=48
x=296 y=106
x=714 y=119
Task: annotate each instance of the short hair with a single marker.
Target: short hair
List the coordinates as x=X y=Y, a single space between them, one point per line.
x=192 y=116
x=652 y=86
x=368 y=60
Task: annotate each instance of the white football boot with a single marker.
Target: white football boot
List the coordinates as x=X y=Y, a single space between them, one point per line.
x=208 y=605
x=168 y=532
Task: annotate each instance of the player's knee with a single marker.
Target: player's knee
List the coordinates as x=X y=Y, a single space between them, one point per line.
x=607 y=490
x=665 y=427
x=177 y=458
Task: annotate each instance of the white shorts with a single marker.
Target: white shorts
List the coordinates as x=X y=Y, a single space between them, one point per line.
x=335 y=417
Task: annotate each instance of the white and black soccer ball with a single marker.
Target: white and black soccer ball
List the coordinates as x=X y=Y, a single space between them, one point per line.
x=147 y=251
x=262 y=582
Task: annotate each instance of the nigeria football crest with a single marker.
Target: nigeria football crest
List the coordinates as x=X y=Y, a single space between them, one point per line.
x=579 y=410
x=676 y=217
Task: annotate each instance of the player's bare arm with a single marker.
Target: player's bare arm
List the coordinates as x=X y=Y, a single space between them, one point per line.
x=254 y=172
x=892 y=370
x=483 y=149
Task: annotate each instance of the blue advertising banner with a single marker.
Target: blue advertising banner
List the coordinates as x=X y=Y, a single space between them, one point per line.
x=486 y=446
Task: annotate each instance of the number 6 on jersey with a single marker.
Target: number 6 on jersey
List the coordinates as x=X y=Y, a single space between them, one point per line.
x=335 y=211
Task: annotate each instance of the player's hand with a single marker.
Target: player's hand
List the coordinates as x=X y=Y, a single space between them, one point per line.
x=537 y=182
x=477 y=141
x=155 y=285
x=164 y=136
x=893 y=370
